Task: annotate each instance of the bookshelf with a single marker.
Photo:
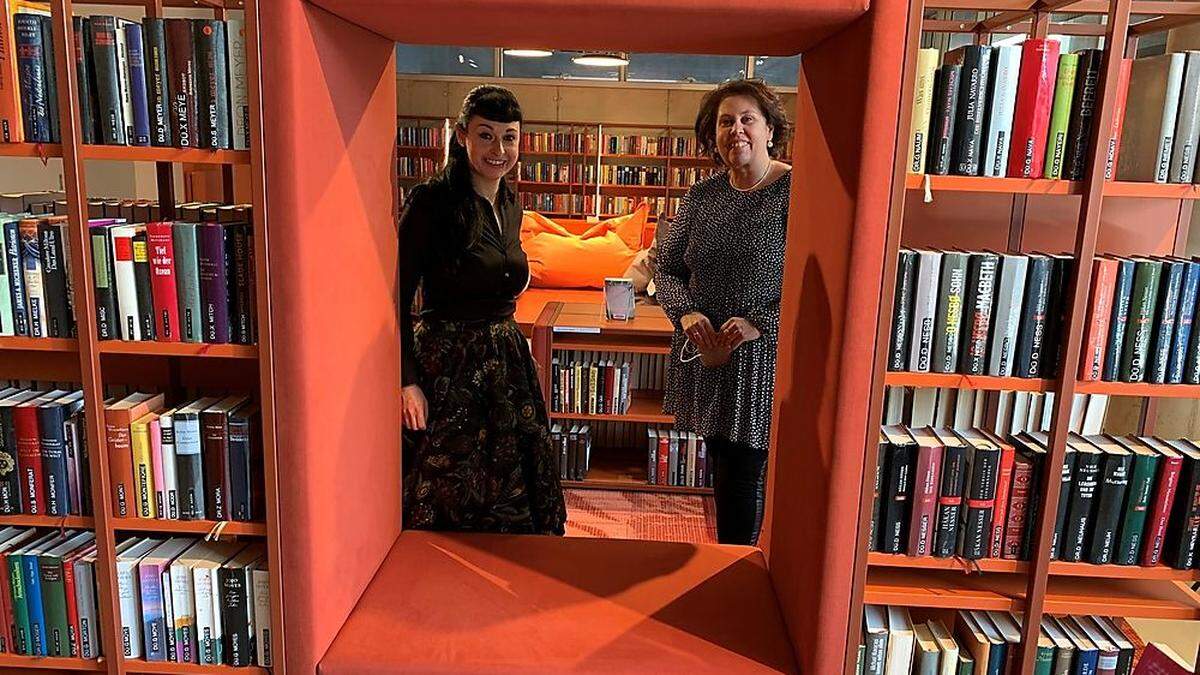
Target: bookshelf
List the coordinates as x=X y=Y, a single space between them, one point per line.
x=1085 y=218
x=171 y=367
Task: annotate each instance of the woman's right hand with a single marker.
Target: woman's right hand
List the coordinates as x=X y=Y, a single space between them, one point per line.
x=699 y=330
x=414 y=408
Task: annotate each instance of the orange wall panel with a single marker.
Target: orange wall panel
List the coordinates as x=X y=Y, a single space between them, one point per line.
x=329 y=122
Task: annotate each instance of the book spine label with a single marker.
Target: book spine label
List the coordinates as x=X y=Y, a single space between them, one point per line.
x=1060 y=114
x=31 y=59
x=1035 y=91
x=157 y=81
x=110 y=113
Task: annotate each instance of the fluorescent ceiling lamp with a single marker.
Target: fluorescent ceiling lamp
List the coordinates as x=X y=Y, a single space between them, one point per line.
x=601 y=59
x=529 y=53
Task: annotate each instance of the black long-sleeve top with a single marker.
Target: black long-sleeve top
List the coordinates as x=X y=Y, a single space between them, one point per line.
x=485 y=283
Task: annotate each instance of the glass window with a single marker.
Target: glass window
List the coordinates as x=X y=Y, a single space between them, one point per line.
x=684 y=68
x=443 y=60
x=556 y=66
x=780 y=71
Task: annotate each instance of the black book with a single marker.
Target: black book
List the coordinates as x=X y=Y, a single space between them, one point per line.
x=158 y=89
x=1183 y=529
x=1083 y=114
x=945 y=112
x=1165 y=318
x=55 y=279
x=107 y=323
x=109 y=111
x=1112 y=488
x=906 y=274
x=85 y=465
x=977 y=316
x=1067 y=480
x=212 y=83
x=976 y=63
x=10 y=475
x=1119 y=322
x=982 y=469
x=1056 y=309
x=236 y=596
x=141 y=278
x=51 y=69
x=1031 y=331
x=897 y=506
x=51 y=418
x=243 y=425
x=31 y=64
x=83 y=74
x=948 y=320
x=240 y=240
x=1035 y=454
x=950 y=493
x=1080 y=506
x=877 y=503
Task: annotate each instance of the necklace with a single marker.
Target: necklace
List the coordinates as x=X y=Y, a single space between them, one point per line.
x=752 y=187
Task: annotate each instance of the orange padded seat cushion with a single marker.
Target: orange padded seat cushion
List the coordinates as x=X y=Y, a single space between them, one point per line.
x=480 y=603
x=559 y=258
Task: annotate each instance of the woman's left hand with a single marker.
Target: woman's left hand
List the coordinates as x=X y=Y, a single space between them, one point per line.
x=737 y=330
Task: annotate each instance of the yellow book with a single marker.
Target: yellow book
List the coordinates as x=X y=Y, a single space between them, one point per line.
x=593 y=376
x=143 y=469
x=918 y=134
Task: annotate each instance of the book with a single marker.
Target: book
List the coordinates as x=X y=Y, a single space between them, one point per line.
x=13 y=252
x=214 y=282
x=237 y=605
x=901 y=335
x=1188 y=293
x=212 y=84
x=56 y=277
x=262 y=613
x=947 y=329
x=187 y=272
x=924 y=492
x=1080 y=507
x=140 y=432
x=1113 y=146
x=1060 y=115
x=1170 y=288
x=11 y=129
x=1166 y=484
x=976 y=62
x=1119 y=323
x=160 y=243
x=52 y=417
x=110 y=114
x=124 y=88
x=31 y=50
x=902 y=452
x=1031 y=327
x=1160 y=659
x=1187 y=123
x=926 y=654
x=128 y=310
x=1006 y=63
x=157 y=80
x=108 y=323
x=982 y=468
x=143 y=283
x=1143 y=307
x=1183 y=528
x=31 y=265
x=118 y=417
x=129 y=554
x=239 y=96
x=182 y=82
x=150 y=571
x=1031 y=121
x=1149 y=135
x=1099 y=313
x=1006 y=314
x=900 y=640
x=981 y=280
x=924 y=312
x=1137 y=505
x=139 y=104
x=945 y=113
x=950 y=493
x=1083 y=113
x=1112 y=488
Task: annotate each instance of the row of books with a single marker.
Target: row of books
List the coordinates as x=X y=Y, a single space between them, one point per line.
x=558 y=141
x=174 y=281
x=48 y=593
x=36 y=298
x=601 y=383
x=984 y=642
x=148 y=211
x=420 y=137
x=978 y=313
x=574 y=444
x=417 y=167
x=1139 y=321
x=551 y=172
x=200 y=460
x=44 y=460
x=161 y=82
x=1020 y=111
x=1163 y=128
x=626 y=174
x=1000 y=412
x=190 y=601
x=687 y=176
x=1124 y=500
x=678 y=458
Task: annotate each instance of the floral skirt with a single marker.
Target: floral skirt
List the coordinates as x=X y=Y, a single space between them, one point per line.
x=485 y=462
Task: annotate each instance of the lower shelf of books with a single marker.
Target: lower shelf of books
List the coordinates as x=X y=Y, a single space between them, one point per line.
x=49 y=663
x=624 y=469
x=184 y=668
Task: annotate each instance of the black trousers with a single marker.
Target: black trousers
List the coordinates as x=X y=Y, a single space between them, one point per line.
x=739 y=489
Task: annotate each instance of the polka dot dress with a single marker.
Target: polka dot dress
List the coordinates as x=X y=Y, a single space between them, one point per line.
x=723 y=257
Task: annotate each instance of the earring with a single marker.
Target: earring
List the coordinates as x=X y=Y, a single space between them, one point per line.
x=770 y=144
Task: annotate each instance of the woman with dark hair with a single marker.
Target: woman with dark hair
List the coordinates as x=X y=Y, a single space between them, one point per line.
x=479 y=456
x=719 y=279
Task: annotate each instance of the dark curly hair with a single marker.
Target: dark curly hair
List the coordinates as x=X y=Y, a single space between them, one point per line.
x=768 y=102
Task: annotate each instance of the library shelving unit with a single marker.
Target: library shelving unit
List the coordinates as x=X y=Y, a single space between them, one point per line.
x=101 y=366
x=1085 y=218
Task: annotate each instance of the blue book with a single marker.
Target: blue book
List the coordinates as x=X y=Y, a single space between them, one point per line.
x=1087 y=656
x=52 y=439
x=137 y=84
x=16 y=276
x=31 y=74
x=1122 y=292
x=31 y=577
x=1164 y=321
x=1183 y=322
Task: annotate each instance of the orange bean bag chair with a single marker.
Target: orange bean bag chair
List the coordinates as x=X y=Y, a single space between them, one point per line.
x=560 y=258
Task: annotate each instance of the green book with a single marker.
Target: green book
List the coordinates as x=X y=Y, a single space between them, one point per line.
x=1137 y=501
x=20 y=612
x=1143 y=303
x=1044 y=663
x=966 y=664
x=862 y=654
x=1060 y=115
x=54 y=593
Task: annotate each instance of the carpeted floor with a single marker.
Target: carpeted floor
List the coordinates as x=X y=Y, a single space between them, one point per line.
x=640 y=515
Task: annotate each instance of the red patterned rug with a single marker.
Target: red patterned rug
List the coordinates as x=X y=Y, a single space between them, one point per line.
x=613 y=514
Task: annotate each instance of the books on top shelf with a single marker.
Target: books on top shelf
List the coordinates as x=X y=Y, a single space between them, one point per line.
x=1139 y=321
x=977 y=641
x=589 y=386
x=199 y=460
x=190 y=601
x=1021 y=111
x=574 y=142
x=44 y=459
x=978 y=313
x=1163 y=128
x=420 y=137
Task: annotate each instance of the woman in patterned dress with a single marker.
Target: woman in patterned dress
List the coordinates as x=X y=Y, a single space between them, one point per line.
x=719 y=279
x=478 y=455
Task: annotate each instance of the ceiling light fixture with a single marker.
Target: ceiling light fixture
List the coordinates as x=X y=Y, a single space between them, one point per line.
x=529 y=53
x=601 y=59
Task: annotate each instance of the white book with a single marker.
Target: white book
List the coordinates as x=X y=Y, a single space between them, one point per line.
x=924 y=310
x=918 y=143
x=209 y=630
x=1020 y=412
x=924 y=400
x=31 y=269
x=1047 y=412
x=1006 y=67
x=239 y=100
x=947 y=402
x=1037 y=400
x=893 y=412
x=964 y=409
x=947 y=645
x=1006 y=314
x=690 y=479
x=125 y=279
x=170 y=486
x=184 y=592
x=128 y=586
x=1078 y=407
x=262 y=614
x=1187 y=123
x=1093 y=416
x=123 y=79
x=1150 y=124
x=85 y=601
x=900 y=641
x=168 y=603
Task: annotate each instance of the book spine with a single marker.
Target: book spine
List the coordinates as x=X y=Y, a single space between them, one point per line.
x=948 y=324
x=120 y=458
x=10 y=475
x=7 y=327
x=239 y=95
x=1031 y=328
x=981 y=280
x=161 y=242
x=896 y=509
x=945 y=112
x=170 y=476
x=126 y=283
x=32 y=577
x=240 y=476
x=262 y=617
x=241 y=306
x=1109 y=502
x=89 y=645
x=1165 y=319
x=50 y=68
x=1188 y=294
x=207 y=638
x=998 y=132
x=1067 y=478
x=950 y=501
x=29 y=460
x=54 y=606
x=51 y=442
x=1006 y=314
x=143 y=285
x=1060 y=115
x=157 y=483
x=1018 y=510
x=81 y=45
x=157 y=81
x=70 y=591
x=153 y=624
x=131 y=617
x=918 y=143
x=1031 y=121
x=924 y=500
x=188 y=282
x=925 y=300
x=1187 y=125
x=1113 y=152
x=214 y=282
x=1095 y=339
x=1142 y=309
x=108 y=87
x=1183 y=528
x=54 y=280
x=901 y=335
x=137 y=84
x=1083 y=496
x=972 y=98
x=10 y=93
x=1133 y=522
x=35 y=291
x=107 y=321
x=16 y=277
x=1122 y=297
x=981 y=502
x=1004 y=478
x=20 y=617
x=1170 y=114
x=1083 y=113
x=172 y=653
x=215 y=453
x=183 y=600
x=235 y=616
x=124 y=88
x=181 y=72
x=1166 y=485
x=877 y=503
x=35 y=104
x=143 y=483
x=212 y=84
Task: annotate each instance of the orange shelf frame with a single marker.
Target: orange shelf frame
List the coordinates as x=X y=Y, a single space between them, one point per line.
x=197 y=527
x=1120 y=188
x=29 y=344
x=125 y=153
x=633 y=486
x=959 y=381
x=929 y=588
x=38 y=150
x=1159 y=572
x=1152 y=599
x=74 y=522
x=632 y=344
x=876 y=559
x=1139 y=389
x=50 y=663
x=168 y=668
x=644 y=407
x=1027 y=186
x=197 y=349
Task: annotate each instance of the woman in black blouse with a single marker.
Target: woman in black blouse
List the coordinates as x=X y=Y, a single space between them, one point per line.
x=480 y=457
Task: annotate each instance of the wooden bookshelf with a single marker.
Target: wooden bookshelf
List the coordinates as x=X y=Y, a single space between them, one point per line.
x=1026 y=186
x=28 y=344
x=168 y=668
x=876 y=559
x=959 y=381
x=195 y=349
x=51 y=663
x=644 y=407
x=38 y=150
x=73 y=522
x=129 y=153
x=625 y=469
x=233 y=528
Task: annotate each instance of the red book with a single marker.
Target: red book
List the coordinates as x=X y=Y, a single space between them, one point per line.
x=73 y=628
x=1018 y=508
x=1095 y=336
x=1118 y=120
x=1031 y=117
x=29 y=453
x=664 y=452
x=1158 y=659
x=1003 y=481
x=925 y=484
x=1165 y=484
x=161 y=244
